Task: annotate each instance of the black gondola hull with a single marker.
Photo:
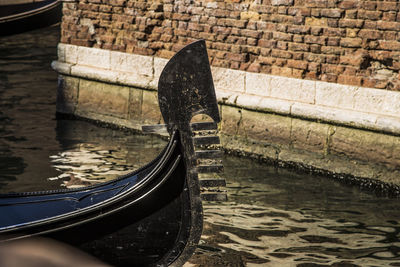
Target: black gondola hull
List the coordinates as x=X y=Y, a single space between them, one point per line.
x=25 y=17
x=148 y=226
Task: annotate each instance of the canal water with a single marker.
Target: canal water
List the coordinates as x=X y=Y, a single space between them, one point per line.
x=273 y=217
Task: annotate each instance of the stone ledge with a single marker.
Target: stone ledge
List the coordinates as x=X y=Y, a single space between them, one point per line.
x=364 y=108
x=278 y=138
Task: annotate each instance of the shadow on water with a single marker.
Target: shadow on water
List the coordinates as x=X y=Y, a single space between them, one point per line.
x=273 y=217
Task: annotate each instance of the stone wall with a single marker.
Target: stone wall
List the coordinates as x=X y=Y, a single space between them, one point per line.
x=301 y=83
x=348 y=42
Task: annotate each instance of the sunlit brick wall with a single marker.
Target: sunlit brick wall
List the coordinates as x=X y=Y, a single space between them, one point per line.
x=347 y=42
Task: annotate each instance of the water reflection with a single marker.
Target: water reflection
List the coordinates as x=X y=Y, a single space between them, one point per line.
x=91 y=154
x=279 y=218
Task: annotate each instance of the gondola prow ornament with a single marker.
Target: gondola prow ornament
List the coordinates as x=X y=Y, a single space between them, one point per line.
x=152 y=216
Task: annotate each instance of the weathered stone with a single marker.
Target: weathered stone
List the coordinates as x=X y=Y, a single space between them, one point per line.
x=71 y=53
x=67 y=94
x=367 y=99
x=396 y=152
x=138 y=64
x=265 y=127
x=309 y=135
x=231 y=119
x=61 y=52
x=362 y=145
x=335 y=95
x=158 y=66
x=389 y=124
x=150 y=110
x=392 y=103
x=135 y=104
x=227 y=79
x=257 y=84
x=291 y=89
x=94 y=57
x=103 y=98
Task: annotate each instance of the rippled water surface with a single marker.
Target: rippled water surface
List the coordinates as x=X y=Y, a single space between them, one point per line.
x=273 y=217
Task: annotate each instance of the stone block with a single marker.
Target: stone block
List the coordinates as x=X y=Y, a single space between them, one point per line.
x=388 y=124
x=292 y=89
x=258 y=84
x=61 y=52
x=94 y=73
x=335 y=95
x=391 y=103
x=103 y=98
x=133 y=79
x=248 y=101
x=138 y=64
x=275 y=105
x=229 y=80
x=265 y=127
x=231 y=119
x=95 y=57
x=135 y=104
x=370 y=100
x=363 y=145
x=67 y=94
x=71 y=53
x=158 y=66
x=396 y=152
x=335 y=115
x=309 y=135
x=150 y=110
x=61 y=67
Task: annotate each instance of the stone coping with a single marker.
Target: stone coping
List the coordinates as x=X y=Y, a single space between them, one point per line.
x=360 y=107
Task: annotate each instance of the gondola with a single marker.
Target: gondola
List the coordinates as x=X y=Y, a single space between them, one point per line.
x=24 y=15
x=152 y=216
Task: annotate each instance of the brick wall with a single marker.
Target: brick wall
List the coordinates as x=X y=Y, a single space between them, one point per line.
x=347 y=42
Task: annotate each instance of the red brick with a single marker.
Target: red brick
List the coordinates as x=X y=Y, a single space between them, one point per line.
x=298 y=38
x=281 y=45
x=389 y=45
x=315 y=48
x=387 y=6
x=267 y=43
x=334 y=50
x=351 y=14
x=334 y=32
x=281 y=2
x=317 y=3
x=390 y=35
x=282 y=36
x=237 y=57
x=332 y=13
x=298 y=29
x=370 y=34
x=371 y=15
x=251 y=33
x=351 y=80
x=348 y=4
x=280 y=54
x=387 y=25
x=351 y=23
x=389 y=16
x=351 y=42
x=368 y=5
x=297 y=64
x=333 y=41
x=299 y=47
x=310 y=39
x=327 y=77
